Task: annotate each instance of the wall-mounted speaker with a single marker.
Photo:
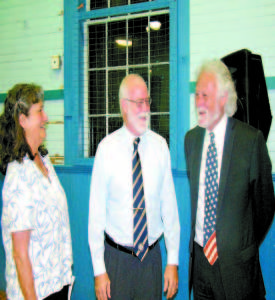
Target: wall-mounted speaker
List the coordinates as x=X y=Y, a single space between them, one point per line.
x=253 y=105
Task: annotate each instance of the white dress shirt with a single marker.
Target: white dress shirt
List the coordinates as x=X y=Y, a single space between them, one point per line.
x=219 y=132
x=111 y=195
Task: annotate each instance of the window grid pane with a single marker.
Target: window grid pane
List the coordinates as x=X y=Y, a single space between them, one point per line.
x=97 y=4
x=143 y=49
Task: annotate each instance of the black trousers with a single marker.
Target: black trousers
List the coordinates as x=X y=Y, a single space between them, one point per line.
x=61 y=295
x=207 y=283
x=132 y=279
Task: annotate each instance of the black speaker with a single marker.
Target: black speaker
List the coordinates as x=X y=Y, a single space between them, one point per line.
x=253 y=105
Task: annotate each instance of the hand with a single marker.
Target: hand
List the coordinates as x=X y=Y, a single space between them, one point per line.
x=171 y=280
x=102 y=287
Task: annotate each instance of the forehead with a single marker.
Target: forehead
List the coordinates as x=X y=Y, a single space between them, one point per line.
x=137 y=89
x=37 y=105
x=206 y=82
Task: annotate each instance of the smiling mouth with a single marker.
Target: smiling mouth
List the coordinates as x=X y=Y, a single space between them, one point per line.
x=143 y=117
x=201 y=113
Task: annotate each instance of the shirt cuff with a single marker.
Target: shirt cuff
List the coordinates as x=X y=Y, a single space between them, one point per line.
x=99 y=267
x=172 y=258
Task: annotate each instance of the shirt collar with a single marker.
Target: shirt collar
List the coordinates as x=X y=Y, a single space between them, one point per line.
x=219 y=129
x=131 y=137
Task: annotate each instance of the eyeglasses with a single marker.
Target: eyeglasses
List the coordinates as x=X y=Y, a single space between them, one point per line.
x=139 y=102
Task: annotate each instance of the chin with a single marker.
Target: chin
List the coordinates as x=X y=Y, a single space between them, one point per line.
x=43 y=137
x=140 y=130
x=202 y=124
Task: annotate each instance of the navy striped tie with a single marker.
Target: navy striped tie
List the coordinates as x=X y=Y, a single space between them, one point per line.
x=140 y=221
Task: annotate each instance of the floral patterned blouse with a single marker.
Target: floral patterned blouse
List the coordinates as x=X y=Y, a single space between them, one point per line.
x=36 y=203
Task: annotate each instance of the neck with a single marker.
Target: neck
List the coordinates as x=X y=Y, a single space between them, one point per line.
x=33 y=146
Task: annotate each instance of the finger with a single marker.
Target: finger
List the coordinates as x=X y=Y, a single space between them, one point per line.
x=165 y=285
x=172 y=289
x=169 y=292
x=98 y=296
x=102 y=294
x=109 y=289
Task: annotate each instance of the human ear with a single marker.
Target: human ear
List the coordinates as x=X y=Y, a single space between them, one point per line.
x=22 y=120
x=224 y=98
x=124 y=105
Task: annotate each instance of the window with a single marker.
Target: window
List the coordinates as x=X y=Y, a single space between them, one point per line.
x=95 y=64
x=117 y=46
x=96 y=4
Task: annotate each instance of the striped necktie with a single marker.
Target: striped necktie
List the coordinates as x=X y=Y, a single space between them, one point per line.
x=139 y=211
x=211 y=199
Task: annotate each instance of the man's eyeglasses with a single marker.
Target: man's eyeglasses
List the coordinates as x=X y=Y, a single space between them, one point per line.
x=139 y=102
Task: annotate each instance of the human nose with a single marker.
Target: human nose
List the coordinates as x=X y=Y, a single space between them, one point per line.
x=45 y=116
x=199 y=100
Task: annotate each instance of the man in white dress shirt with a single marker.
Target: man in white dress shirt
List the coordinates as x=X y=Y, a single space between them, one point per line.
x=119 y=273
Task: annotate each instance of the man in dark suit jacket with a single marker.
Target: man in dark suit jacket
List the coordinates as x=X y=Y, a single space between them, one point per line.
x=244 y=207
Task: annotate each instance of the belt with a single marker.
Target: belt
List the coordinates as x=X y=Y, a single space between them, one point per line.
x=110 y=242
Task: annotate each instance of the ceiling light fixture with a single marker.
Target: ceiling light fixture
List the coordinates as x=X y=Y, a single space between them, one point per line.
x=155 y=25
x=124 y=43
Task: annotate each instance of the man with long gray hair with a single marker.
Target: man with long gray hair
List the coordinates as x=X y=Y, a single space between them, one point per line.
x=232 y=194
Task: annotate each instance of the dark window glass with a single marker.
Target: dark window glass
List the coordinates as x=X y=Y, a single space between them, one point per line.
x=138 y=52
x=116 y=49
x=97 y=92
x=114 y=80
x=97 y=46
x=160 y=88
x=114 y=124
x=118 y=2
x=138 y=1
x=159 y=38
x=96 y=4
x=160 y=124
x=97 y=133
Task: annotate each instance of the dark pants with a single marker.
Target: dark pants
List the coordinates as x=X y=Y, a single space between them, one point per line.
x=207 y=283
x=61 y=295
x=132 y=279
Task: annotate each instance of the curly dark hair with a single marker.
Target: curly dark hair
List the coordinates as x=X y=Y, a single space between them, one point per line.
x=13 y=145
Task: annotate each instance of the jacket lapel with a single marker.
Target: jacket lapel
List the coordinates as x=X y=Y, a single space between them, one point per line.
x=196 y=165
x=227 y=153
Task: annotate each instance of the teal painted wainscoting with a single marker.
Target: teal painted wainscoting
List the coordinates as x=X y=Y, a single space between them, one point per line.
x=76 y=183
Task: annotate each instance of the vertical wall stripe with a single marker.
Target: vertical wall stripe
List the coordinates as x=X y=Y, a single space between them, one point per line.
x=183 y=77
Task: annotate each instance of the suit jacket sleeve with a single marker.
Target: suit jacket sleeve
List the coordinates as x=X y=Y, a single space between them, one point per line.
x=262 y=189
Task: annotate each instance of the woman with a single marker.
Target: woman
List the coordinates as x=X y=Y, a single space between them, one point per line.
x=35 y=221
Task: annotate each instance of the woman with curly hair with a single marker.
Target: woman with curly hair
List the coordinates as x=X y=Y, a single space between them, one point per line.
x=35 y=221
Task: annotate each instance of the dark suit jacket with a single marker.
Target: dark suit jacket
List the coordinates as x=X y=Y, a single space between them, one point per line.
x=245 y=209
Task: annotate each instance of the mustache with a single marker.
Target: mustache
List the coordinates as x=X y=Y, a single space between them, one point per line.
x=144 y=115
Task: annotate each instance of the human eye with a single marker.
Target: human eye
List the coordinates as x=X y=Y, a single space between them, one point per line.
x=41 y=109
x=139 y=101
